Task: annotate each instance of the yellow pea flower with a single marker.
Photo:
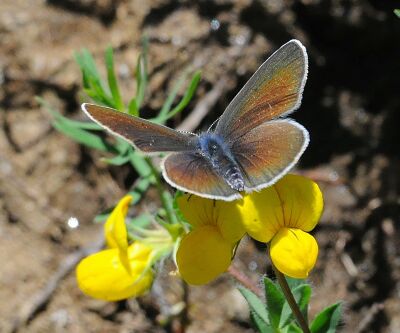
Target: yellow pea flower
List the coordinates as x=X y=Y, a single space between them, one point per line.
x=207 y=250
x=281 y=214
x=121 y=271
x=103 y=275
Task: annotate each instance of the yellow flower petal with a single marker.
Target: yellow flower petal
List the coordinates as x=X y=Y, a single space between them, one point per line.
x=294 y=252
x=302 y=201
x=262 y=214
x=115 y=228
x=139 y=251
x=203 y=254
x=225 y=215
x=103 y=276
x=294 y=201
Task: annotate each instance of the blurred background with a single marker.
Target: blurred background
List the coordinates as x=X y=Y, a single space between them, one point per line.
x=351 y=106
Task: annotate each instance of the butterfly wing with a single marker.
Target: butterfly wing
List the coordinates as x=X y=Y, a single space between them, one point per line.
x=190 y=172
x=143 y=134
x=269 y=151
x=273 y=91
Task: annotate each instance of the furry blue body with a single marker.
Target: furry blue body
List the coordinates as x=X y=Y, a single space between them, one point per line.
x=219 y=155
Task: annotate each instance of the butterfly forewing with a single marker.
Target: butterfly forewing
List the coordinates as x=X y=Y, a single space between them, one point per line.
x=269 y=151
x=143 y=134
x=273 y=91
x=190 y=172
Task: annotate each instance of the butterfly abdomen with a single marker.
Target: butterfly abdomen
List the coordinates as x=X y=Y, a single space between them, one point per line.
x=218 y=154
x=234 y=177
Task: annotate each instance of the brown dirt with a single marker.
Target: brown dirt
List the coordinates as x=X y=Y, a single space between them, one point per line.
x=350 y=106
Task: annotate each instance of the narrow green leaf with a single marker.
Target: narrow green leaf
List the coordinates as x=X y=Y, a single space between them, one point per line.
x=117 y=160
x=87 y=125
x=162 y=115
x=112 y=80
x=100 y=95
x=133 y=108
x=83 y=137
x=255 y=304
x=76 y=131
x=302 y=294
x=397 y=12
x=139 y=164
x=291 y=328
x=260 y=324
x=327 y=320
x=275 y=301
x=93 y=84
x=187 y=96
x=123 y=146
x=89 y=64
x=141 y=79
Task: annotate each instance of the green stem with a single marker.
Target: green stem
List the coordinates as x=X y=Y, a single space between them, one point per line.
x=164 y=195
x=292 y=302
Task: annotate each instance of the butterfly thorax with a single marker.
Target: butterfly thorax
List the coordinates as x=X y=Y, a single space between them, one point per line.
x=221 y=159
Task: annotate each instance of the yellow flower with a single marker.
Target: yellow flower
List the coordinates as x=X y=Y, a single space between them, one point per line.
x=207 y=250
x=281 y=214
x=121 y=271
x=284 y=213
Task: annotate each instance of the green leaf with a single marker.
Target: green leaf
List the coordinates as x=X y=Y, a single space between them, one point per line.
x=140 y=188
x=117 y=160
x=187 y=96
x=291 y=328
x=170 y=99
x=302 y=294
x=88 y=125
x=327 y=320
x=139 y=164
x=275 y=301
x=92 y=82
x=133 y=108
x=76 y=130
x=83 y=137
x=112 y=80
x=260 y=324
x=122 y=146
x=255 y=304
x=141 y=80
x=397 y=12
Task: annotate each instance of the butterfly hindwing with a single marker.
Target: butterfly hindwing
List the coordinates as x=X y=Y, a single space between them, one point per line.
x=190 y=172
x=143 y=134
x=273 y=91
x=269 y=151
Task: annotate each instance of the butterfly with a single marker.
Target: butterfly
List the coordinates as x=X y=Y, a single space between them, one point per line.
x=250 y=147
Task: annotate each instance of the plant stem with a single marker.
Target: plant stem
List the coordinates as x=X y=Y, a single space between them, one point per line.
x=244 y=280
x=164 y=195
x=292 y=302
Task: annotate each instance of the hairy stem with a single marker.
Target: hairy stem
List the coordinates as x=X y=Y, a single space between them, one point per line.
x=292 y=302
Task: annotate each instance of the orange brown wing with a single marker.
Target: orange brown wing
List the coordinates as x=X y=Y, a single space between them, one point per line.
x=269 y=151
x=273 y=91
x=190 y=172
x=143 y=134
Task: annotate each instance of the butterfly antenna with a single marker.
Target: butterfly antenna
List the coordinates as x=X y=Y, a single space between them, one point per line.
x=213 y=124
